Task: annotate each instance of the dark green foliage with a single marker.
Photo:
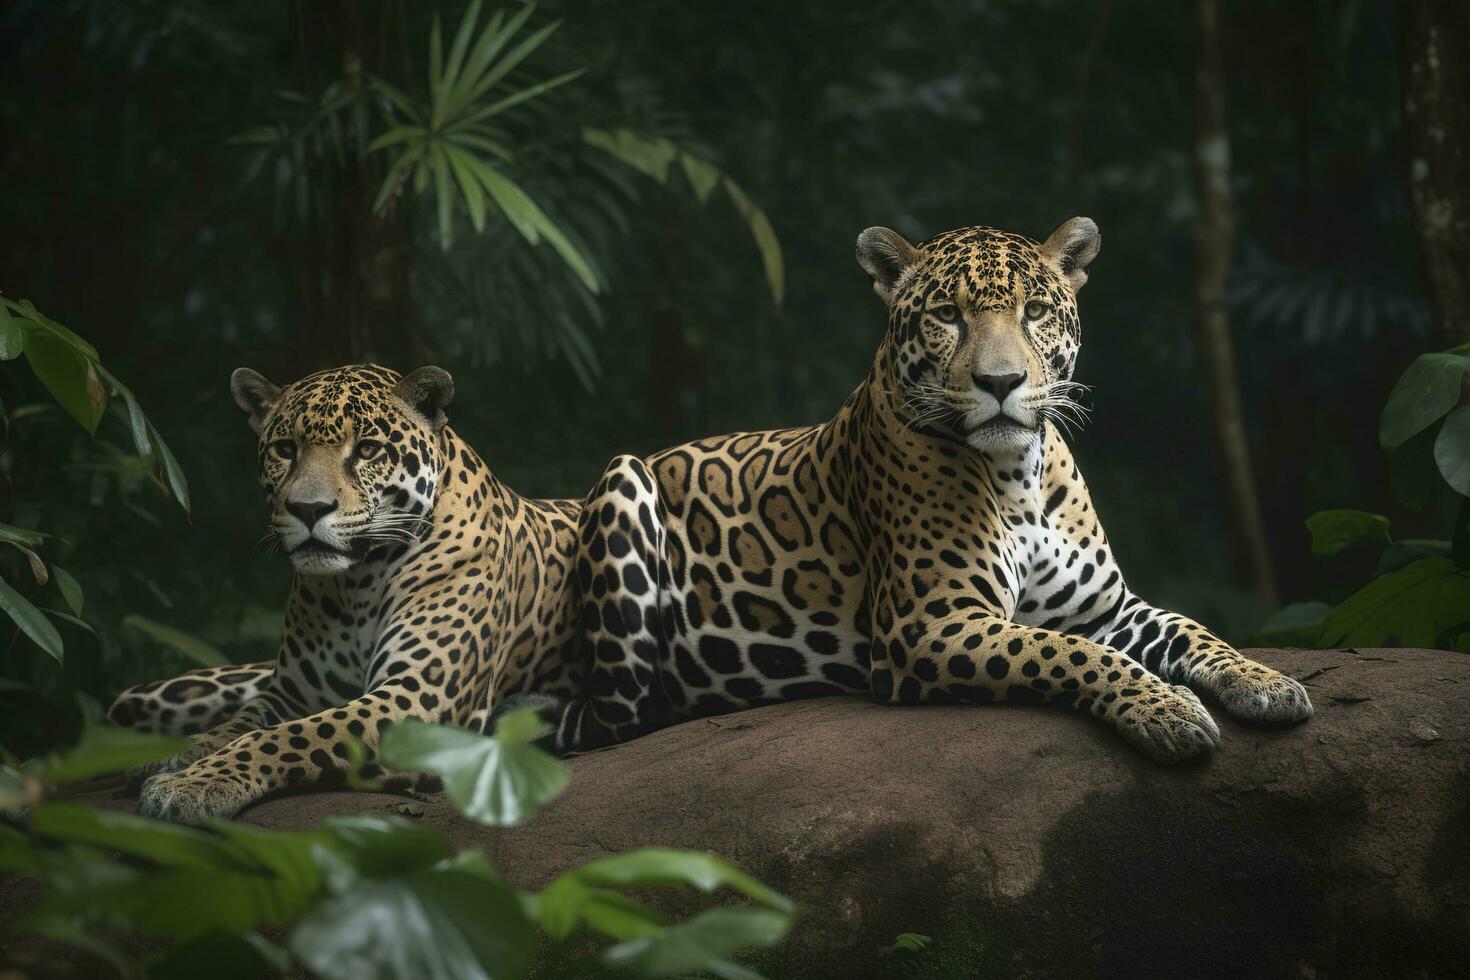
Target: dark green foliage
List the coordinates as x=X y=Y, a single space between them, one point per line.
x=361 y=896
x=1421 y=593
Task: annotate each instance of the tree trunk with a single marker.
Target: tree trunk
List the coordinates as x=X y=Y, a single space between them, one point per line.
x=1216 y=242
x=1434 y=41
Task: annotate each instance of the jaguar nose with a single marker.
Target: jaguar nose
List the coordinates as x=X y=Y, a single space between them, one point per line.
x=999 y=385
x=308 y=512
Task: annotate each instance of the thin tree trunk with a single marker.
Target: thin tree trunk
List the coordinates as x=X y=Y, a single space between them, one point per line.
x=1434 y=42
x=1216 y=242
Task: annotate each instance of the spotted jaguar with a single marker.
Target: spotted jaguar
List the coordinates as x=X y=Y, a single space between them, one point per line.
x=933 y=542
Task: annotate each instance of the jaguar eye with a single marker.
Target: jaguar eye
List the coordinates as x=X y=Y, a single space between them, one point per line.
x=946 y=313
x=368 y=448
x=284 y=448
x=1036 y=309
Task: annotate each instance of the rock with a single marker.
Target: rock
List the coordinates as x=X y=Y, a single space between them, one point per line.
x=1032 y=842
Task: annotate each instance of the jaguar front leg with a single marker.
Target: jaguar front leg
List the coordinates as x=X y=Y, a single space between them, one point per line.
x=269 y=707
x=961 y=652
x=306 y=751
x=1180 y=650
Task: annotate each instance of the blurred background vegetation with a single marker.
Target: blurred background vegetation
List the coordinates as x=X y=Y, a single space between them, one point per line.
x=662 y=249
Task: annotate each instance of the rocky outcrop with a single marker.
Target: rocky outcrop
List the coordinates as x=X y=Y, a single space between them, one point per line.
x=1030 y=842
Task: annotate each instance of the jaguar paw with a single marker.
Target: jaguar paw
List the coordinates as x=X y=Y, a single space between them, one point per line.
x=1169 y=724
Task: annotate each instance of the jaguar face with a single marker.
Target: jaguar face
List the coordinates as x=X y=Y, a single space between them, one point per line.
x=982 y=329
x=349 y=459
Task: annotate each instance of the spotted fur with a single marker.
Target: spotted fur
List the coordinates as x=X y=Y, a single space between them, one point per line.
x=932 y=543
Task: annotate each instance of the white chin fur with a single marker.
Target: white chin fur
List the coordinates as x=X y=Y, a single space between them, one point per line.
x=1011 y=439
x=320 y=563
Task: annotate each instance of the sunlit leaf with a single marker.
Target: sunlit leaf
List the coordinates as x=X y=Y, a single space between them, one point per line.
x=1334 y=530
x=178 y=640
x=490 y=779
x=32 y=622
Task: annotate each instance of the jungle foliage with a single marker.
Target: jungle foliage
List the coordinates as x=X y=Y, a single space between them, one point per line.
x=362 y=896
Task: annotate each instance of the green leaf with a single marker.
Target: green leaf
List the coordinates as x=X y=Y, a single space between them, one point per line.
x=54 y=329
x=172 y=471
x=176 y=639
x=12 y=339
x=10 y=534
x=458 y=49
x=443 y=196
x=379 y=847
x=71 y=592
x=910 y=942
x=1423 y=394
x=217 y=955
x=702 y=176
x=662 y=866
x=765 y=240
x=1412 y=471
x=1410 y=607
x=102 y=750
x=533 y=224
x=446 y=923
x=515 y=99
x=1452 y=450
x=68 y=375
x=1334 y=530
x=165 y=844
x=490 y=779
x=648 y=156
x=469 y=185
x=32 y=622
x=1400 y=553
x=701 y=943
x=1295 y=624
x=69 y=618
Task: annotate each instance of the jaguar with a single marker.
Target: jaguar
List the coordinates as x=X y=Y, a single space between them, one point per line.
x=932 y=543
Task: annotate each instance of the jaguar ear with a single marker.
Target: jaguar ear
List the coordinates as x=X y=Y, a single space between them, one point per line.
x=885 y=255
x=1071 y=249
x=254 y=394
x=428 y=391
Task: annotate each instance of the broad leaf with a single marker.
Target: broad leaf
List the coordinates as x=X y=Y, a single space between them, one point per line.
x=176 y=639
x=1334 y=530
x=103 y=749
x=662 y=866
x=702 y=942
x=1452 y=450
x=1295 y=624
x=32 y=622
x=447 y=923
x=1411 y=607
x=491 y=779
x=217 y=955
x=1400 y=553
x=1423 y=394
x=69 y=376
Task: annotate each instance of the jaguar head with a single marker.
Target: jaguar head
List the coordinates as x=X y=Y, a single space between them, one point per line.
x=982 y=329
x=349 y=458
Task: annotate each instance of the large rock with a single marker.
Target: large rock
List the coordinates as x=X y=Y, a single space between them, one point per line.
x=1028 y=841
